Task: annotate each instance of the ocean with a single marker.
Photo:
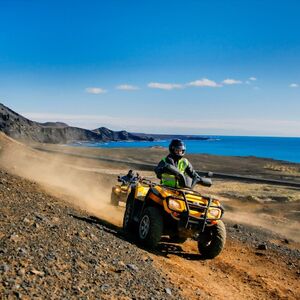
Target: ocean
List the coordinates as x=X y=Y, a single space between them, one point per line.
x=279 y=148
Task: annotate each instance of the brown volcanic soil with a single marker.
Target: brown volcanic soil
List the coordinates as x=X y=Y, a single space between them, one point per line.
x=50 y=247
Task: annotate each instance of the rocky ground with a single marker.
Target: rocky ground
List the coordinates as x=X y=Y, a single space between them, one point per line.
x=52 y=251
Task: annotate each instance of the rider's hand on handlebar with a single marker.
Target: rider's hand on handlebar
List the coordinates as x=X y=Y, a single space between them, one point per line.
x=181 y=179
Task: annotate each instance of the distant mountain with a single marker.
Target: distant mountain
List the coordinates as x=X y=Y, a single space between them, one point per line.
x=158 y=136
x=21 y=128
x=122 y=135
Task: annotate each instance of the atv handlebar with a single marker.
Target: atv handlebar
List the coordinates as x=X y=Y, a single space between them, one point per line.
x=184 y=181
x=205 y=181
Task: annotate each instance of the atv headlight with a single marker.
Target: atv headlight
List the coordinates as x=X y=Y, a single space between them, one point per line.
x=175 y=205
x=117 y=189
x=215 y=212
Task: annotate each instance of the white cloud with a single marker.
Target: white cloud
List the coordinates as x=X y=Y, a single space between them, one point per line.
x=95 y=90
x=231 y=81
x=127 y=87
x=252 y=78
x=294 y=85
x=164 y=86
x=204 y=82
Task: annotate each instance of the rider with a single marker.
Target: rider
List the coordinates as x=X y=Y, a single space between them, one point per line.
x=128 y=177
x=172 y=169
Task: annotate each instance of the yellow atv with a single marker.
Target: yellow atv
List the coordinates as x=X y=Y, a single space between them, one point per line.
x=120 y=191
x=153 y=210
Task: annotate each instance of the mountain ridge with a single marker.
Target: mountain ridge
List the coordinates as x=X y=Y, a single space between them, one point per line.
x=20 y=128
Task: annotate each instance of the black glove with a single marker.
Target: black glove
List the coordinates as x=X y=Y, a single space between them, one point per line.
x=206 y=181
x=181 y=179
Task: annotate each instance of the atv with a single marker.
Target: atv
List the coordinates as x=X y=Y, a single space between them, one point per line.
x=153 y=210
x=120 y=191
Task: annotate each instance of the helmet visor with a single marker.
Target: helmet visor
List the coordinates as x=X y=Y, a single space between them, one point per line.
x=179 y=150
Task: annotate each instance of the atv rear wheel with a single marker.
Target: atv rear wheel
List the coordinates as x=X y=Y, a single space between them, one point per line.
x=211 y=242
x=128 y=217
x=150 y=227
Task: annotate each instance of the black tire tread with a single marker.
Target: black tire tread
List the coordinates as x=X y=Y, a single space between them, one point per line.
x=128 y=228
x=156 y=227
x=217 y=244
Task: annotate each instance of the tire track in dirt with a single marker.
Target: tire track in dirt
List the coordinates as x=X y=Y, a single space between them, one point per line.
x=238 y=273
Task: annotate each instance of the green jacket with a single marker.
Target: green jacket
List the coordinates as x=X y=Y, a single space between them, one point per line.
x=169 y=178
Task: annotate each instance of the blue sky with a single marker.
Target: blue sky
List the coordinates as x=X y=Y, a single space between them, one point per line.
x=194 y=67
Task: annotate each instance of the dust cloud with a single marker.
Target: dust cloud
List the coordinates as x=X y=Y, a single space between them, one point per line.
x=62 y=177
x=279 y=225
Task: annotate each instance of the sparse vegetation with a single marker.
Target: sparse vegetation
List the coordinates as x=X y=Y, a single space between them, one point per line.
x=282 y=168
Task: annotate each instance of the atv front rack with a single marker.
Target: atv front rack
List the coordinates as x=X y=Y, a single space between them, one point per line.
x=186 y=217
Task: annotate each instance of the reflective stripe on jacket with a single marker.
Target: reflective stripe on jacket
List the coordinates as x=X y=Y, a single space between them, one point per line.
x=170 y=180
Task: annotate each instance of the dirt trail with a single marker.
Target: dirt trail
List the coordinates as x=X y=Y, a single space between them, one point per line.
x=240 y=272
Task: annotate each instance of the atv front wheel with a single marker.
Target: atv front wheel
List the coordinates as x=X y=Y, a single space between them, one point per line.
x=150 y=227
x=211 y=242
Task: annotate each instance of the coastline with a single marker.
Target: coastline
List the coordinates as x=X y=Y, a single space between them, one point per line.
x=277 y=148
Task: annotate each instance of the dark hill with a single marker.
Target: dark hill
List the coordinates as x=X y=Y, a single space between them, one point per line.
x=157 y=136
x=111 y=135
x=21 y=128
